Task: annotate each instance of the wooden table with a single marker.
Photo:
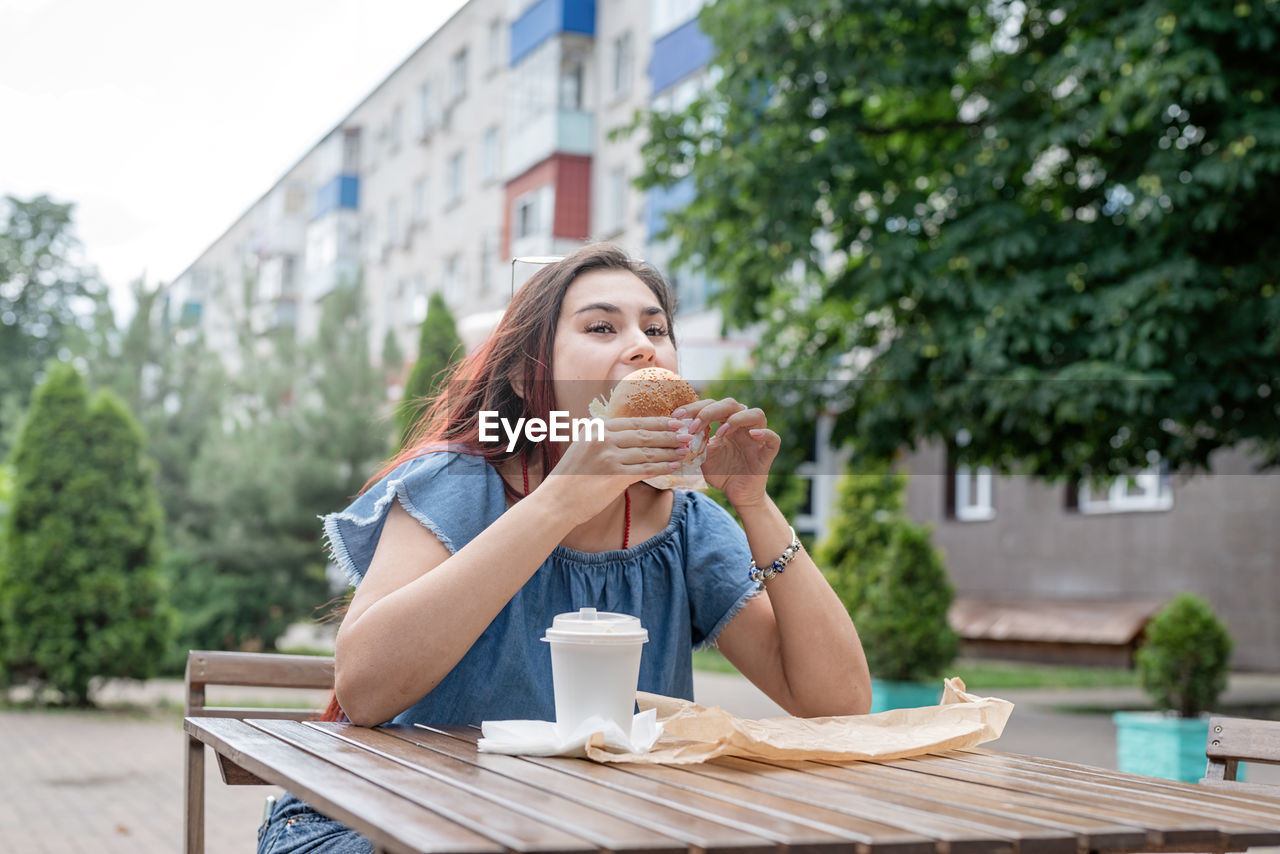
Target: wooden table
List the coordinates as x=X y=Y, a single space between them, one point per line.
x=412 y=789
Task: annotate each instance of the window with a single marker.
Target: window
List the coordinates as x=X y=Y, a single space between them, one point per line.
x=571 y=82
x=394 y=232
x=453 y=179
x=622 y=63
x=428 y=114
x=969 y=488
x=496 y=57
x=454 y=279
x=372 y=248
x=489 y=155
x=526 y=224
x=395 y=129
x=488 y=258
x=616 y=202
x=418 y=311
x=418 y=201
x=973 y=494
x=458 y=76
x=1149 y=490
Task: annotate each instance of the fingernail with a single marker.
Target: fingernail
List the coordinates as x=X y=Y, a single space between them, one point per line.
x=696 y=426
x=756 y=434
x=675 y=464
x=675 y=425
x=679 y=413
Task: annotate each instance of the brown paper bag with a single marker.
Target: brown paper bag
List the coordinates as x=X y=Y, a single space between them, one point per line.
x=693 y=733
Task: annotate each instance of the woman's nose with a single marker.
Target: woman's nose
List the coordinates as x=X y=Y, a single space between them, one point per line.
x=640 y=350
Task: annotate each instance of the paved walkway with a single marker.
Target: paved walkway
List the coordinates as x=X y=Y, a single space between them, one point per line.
x=111 y=781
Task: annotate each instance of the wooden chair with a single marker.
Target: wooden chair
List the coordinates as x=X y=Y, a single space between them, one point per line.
x=205 y=668
x=1236 y=740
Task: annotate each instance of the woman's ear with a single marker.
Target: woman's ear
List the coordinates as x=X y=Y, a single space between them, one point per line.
x=517 y=382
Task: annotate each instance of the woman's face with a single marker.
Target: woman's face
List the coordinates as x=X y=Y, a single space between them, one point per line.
x=610 y=325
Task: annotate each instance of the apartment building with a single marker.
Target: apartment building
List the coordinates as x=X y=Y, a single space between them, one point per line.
x=493 y=141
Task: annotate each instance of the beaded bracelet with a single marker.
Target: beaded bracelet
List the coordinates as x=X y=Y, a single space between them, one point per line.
x=760 y=576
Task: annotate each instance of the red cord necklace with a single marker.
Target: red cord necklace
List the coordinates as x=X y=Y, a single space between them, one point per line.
x=626 y=502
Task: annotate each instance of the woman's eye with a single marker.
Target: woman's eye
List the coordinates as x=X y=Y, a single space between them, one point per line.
x=657 y=331
x=600 y=327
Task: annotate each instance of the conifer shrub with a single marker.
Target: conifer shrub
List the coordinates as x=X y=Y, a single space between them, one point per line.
x=439 y=347
x=1185 y=656
x=81 y=593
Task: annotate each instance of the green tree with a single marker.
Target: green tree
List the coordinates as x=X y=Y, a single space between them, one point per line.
x=439 y=349
x=46 y=292
x=303 y=430
x=82 y=595
x=1047 y=223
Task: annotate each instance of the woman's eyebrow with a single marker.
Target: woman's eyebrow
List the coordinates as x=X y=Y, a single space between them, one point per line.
x=610 y=308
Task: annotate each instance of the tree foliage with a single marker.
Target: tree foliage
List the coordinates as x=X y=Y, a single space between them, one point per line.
x=298 y=435
x=439 y=348
x=1047 y=223
x=1185 y=656
x=82 y=594
x=46 y=292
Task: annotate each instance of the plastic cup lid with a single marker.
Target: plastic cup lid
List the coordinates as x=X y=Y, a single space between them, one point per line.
x=590 y=626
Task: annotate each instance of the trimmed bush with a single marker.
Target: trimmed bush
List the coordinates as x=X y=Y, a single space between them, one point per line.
x=81 y=594
x=902 y=618
x=1184 y=659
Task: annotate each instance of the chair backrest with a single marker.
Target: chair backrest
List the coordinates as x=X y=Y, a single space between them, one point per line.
x=245 y=669
x=207 y=667
x=1235 y=740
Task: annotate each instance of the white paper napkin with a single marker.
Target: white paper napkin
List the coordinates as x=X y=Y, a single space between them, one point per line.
x=544 y=738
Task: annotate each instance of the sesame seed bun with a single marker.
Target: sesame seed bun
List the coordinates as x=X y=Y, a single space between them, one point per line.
x=647 y=393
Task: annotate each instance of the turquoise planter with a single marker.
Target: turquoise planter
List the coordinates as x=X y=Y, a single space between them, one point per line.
x=886 y=695
x=1160 y=746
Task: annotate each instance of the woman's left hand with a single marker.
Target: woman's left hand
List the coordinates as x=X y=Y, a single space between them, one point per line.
x=741 y=451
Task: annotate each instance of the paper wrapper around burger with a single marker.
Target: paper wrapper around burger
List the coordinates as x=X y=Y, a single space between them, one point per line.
x=658 y=392
x=691 y=733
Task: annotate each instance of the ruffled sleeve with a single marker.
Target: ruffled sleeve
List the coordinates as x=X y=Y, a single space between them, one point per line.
x=716 y=560
x=455 y=496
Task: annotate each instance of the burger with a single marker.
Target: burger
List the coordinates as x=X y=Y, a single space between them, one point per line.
x=654 y=393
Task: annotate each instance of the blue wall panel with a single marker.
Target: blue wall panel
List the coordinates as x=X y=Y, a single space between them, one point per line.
x=678 y=54
x=548 y=18
x=342 y=191
x=659 y=200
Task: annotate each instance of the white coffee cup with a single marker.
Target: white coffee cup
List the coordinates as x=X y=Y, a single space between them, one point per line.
x=595 y=667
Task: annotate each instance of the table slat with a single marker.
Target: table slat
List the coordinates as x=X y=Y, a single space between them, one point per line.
x=695 y=831
x=1164 y=827
x=388 y=820
x=1091 y=833
x=510 y=830
x=1233 y=815
x=537 y=802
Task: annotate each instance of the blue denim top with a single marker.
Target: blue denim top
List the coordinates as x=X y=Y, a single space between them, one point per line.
x=685 y=584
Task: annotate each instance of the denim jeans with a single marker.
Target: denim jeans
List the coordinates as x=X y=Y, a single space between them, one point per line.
x=295 y=828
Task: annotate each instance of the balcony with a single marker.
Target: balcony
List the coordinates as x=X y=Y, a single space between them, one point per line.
x=548 y=18
x=558 y=131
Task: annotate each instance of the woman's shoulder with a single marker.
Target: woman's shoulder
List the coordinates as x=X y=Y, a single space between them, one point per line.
x=454 y=495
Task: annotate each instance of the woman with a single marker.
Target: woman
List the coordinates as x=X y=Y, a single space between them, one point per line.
x=463 y=551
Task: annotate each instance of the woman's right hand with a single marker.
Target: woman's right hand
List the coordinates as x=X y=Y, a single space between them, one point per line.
x=593 y=472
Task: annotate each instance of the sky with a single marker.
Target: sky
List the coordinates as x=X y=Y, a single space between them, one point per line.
x=164 y=121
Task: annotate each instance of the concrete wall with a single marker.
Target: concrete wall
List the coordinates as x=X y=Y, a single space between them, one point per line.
x=1221 y=539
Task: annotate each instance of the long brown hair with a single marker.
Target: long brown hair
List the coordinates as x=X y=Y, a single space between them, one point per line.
x=521 y=346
